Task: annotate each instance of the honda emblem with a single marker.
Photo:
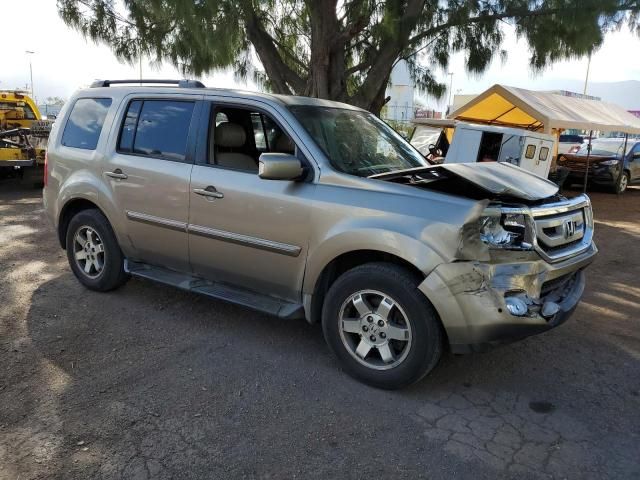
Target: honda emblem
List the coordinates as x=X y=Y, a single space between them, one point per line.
x=569 y=229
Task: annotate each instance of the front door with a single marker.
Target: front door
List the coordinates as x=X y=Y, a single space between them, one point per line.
x=634 y=163
x=244 y=230
x=148 y=176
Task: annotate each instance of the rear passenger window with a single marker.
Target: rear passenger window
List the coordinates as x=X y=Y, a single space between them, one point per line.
x=156 y=128
x=85 y=123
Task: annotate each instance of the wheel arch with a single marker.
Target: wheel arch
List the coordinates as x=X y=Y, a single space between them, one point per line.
x=71 y=208
x=342 y=263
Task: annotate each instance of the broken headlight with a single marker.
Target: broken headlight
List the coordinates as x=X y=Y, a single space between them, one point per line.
x=505 y=230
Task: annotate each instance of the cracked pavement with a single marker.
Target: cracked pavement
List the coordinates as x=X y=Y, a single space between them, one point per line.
x=149 y=382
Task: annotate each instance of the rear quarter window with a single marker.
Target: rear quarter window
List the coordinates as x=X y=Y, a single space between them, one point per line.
x=85 y=122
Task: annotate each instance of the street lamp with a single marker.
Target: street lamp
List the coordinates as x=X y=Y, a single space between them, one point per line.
x=29 y=52
x=450 y=90
x=586 y=78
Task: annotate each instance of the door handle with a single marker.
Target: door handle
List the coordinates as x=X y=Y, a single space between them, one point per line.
x=117 y=173
x=209 y=192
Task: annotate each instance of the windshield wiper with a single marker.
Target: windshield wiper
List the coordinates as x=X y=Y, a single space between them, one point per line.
x=401 y=172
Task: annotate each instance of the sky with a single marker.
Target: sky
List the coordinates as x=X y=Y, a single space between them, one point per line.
x=64 y=61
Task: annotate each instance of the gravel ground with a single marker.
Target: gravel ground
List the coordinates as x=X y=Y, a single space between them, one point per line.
x=152 y=382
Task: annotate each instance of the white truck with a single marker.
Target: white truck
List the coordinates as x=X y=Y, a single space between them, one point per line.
x=461 y=142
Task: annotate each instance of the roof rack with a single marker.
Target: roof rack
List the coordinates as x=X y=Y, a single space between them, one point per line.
x=179 y=83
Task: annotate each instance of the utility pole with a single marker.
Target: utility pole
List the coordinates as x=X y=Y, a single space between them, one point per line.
x=29 y=52
x=586 y=79
x=140 y=61
x=450 y=91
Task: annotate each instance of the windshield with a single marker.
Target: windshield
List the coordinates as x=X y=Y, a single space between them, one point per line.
x=605 y=147
x=356 y=142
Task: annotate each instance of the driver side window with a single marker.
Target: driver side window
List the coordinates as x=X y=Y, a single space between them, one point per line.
x=238 y=136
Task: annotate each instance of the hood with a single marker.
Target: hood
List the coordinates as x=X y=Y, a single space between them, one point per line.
x=592 y=158
x=496 y=178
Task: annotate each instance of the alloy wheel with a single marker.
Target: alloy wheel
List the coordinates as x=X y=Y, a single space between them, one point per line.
x=375 y=330
x=623 y=183
x=88 y=251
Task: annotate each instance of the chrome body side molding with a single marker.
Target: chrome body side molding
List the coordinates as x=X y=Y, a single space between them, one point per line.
x=246 y=240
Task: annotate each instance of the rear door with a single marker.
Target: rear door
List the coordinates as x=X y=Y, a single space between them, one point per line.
x=536 y=156
x=464 y=146
x=148 y=173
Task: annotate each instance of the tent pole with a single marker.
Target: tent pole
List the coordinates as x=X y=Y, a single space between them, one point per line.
x=621 y=164
x=586 y=171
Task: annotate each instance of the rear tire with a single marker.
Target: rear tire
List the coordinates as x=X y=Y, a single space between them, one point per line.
x=93 y=251
x=381 y=327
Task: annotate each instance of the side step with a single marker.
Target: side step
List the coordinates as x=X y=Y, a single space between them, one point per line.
x=247 y=298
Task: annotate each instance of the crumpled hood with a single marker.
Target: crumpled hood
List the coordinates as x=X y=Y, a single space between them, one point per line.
x=503 y=179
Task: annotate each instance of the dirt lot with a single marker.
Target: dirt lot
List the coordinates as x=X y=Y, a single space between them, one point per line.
x=152 y=382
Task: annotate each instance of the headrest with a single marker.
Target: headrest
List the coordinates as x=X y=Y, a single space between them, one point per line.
x=284 y=144
x=229 y=134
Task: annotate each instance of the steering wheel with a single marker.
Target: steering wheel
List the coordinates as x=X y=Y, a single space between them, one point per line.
x=434 y=151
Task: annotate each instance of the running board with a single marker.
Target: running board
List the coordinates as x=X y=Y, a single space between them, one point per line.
x=247 y=298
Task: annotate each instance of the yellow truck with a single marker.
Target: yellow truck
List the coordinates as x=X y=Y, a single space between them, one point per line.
x=23 y=137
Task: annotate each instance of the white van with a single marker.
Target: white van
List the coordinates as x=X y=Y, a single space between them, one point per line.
x=470 y=143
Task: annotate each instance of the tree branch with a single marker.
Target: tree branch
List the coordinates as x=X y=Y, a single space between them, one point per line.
x=520 y=12
x=281 y=75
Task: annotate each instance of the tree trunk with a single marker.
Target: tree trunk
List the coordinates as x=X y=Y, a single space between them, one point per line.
x=323 y=68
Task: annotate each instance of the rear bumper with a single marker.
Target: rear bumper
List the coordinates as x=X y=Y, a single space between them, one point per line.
x=470 y=298
x=17 y=163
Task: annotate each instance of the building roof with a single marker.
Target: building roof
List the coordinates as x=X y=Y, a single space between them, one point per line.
x=518 y=107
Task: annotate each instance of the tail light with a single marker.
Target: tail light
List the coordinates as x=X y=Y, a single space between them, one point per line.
x=46 y=168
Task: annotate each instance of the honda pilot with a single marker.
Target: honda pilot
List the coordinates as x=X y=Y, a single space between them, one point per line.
x=307 y=208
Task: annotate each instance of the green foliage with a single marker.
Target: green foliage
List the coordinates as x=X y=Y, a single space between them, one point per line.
x=57 y=101
x=343 y=50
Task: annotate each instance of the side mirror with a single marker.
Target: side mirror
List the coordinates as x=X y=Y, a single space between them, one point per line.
x=279 y=166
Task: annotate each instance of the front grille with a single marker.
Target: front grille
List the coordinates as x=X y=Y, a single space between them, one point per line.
x=563 y=229
x=576 y=166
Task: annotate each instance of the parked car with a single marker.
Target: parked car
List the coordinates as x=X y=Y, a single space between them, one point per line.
x=569 y=143
x=604 y=163
x=307 y=208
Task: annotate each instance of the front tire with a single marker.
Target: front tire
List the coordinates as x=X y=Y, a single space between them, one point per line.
x=381 y=327
x=622 y=185
x=93 y=252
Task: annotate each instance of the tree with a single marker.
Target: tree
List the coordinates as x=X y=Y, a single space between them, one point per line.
x=57 y=101
x=343 y=49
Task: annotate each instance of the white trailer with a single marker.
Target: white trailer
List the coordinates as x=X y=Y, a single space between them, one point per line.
x=471 y=142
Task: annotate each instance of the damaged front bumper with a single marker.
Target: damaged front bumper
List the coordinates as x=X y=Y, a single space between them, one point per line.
x=475 y=300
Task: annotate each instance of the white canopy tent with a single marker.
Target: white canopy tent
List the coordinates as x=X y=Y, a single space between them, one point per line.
x=549 y=113
x=511 y=106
